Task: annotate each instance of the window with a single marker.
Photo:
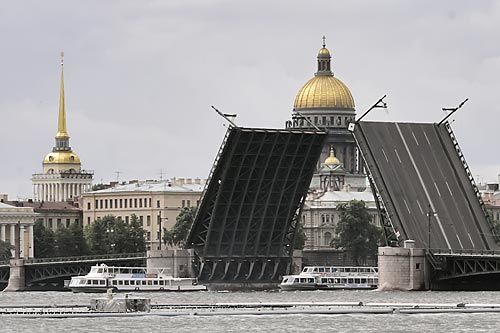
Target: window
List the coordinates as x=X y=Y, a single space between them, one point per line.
x=417 y=266
x=140 y=203
x=141 y=221
x=189 y=203
x=324 y=120
x=59 y=223
x=121 y=203
x=183 y=203
x=135 y=203
x=315 y=120
x=327 y=238
x=116 y=203
x=148 y=236
x=106 y=203
x=157 y=203
x=68 y=221
x=339 y=120
x=88 y=205
x=150 y=202
x=88 y=220
x=51 y=226
x=110 y=203
x=148 y=220
x=125 y=202
x=100 y=204
x=126 y=218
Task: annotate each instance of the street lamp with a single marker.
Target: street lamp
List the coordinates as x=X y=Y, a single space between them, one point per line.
x=160 y=228
x=430 y=214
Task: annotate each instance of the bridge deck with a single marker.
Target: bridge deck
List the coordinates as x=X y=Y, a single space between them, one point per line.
x=417 y=168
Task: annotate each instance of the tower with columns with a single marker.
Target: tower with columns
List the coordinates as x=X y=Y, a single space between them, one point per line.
x=62 y=178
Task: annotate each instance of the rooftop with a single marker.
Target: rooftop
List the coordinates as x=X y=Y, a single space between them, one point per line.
x=173 y=185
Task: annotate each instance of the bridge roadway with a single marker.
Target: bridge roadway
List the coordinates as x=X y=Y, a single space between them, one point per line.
x=417 y=169
x=41 y=270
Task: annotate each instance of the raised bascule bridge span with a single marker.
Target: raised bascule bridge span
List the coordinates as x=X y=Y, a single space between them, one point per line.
x=244 y=228
x=425 y=192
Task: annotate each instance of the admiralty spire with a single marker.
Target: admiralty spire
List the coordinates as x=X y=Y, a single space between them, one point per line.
x=63 y=177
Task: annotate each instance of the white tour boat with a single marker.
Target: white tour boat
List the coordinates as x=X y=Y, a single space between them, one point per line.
x=331 y=277
x=103 y=277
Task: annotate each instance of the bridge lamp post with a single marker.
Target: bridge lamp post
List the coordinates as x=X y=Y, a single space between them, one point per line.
x=160 y=228
x=430 y=214
x=109 y=233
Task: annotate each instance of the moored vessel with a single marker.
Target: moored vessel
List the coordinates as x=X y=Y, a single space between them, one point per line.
x=103 y=277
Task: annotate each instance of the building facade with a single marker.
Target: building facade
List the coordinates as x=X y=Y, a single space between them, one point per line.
x=155 y=203
x=62 y=177
x=18 y=217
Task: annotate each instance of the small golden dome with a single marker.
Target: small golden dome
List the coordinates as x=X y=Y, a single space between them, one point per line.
x=323 y=52
x=332 y=160
x=62 y=157
x=324 y=91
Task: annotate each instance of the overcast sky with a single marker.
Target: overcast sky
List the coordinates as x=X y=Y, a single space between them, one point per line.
x=141 y=75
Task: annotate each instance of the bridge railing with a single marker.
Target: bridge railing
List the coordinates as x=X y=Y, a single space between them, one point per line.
x=84 y=258
x=465 y=252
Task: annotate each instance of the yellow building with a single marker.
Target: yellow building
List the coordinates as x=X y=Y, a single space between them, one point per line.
x=62 y=178
x=155 y=203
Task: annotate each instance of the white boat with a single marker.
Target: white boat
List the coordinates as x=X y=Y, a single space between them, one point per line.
x=103 y=277
x=331 y=277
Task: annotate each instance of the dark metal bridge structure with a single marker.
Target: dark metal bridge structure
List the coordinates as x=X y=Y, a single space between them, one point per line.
x=245 y=224
x=425 y=192
x=53 y=271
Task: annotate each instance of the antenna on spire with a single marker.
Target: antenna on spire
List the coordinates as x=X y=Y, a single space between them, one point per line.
x=118 y=175
x=161 y=174
x=324 y=41
x=62 y=58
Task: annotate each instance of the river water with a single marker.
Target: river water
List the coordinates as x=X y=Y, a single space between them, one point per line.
x=478 y=322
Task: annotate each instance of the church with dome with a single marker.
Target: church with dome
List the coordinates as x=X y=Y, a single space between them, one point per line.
x=326 y=103
x=62 y=178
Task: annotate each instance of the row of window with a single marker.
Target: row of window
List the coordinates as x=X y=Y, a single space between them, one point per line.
x=322 y=121
x=58 y=223
x=129 y=203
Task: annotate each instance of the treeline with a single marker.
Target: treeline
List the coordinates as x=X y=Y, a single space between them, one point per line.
x=108 y=235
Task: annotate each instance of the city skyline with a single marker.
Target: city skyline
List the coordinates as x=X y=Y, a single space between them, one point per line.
x=141 y=77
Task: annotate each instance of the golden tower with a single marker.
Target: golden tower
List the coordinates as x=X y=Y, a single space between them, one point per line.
x=62 y=178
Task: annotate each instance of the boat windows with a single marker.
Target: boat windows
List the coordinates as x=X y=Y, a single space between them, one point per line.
x=120 y=282
x=162 y=282
x=310 y=280
x=143 y=282
x=155 y=282
x=349 y=280
x=321 y=269
x=150 y=282
x=363 y=280
x=357 y=281
x=102 y=282
x=127 y=282
x=113 y=282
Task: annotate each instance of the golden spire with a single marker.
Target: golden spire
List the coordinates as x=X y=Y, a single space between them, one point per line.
x=61 y=124
x=332 y=160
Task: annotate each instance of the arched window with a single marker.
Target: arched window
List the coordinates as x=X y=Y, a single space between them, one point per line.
x=327 y=238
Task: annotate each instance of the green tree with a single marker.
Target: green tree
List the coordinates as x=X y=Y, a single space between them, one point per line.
x=5 y=248
x=300 y=237
x=110 y=235
x=356 y=234
x=44 y=241
x=70 y=241
x=177 y=236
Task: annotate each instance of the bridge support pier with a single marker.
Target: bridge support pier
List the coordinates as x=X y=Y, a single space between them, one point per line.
x=17 y=281
x=403 y=268
x=177 y=263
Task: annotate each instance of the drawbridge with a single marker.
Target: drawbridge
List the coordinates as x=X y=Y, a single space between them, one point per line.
x=425 y=192
x=245 y=224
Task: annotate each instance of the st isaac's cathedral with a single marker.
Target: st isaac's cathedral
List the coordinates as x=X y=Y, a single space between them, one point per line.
x=325 y=102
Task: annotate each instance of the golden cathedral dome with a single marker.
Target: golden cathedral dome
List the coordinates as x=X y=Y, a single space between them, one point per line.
x=332 y=160
x=324 y=90
x=62 y=157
